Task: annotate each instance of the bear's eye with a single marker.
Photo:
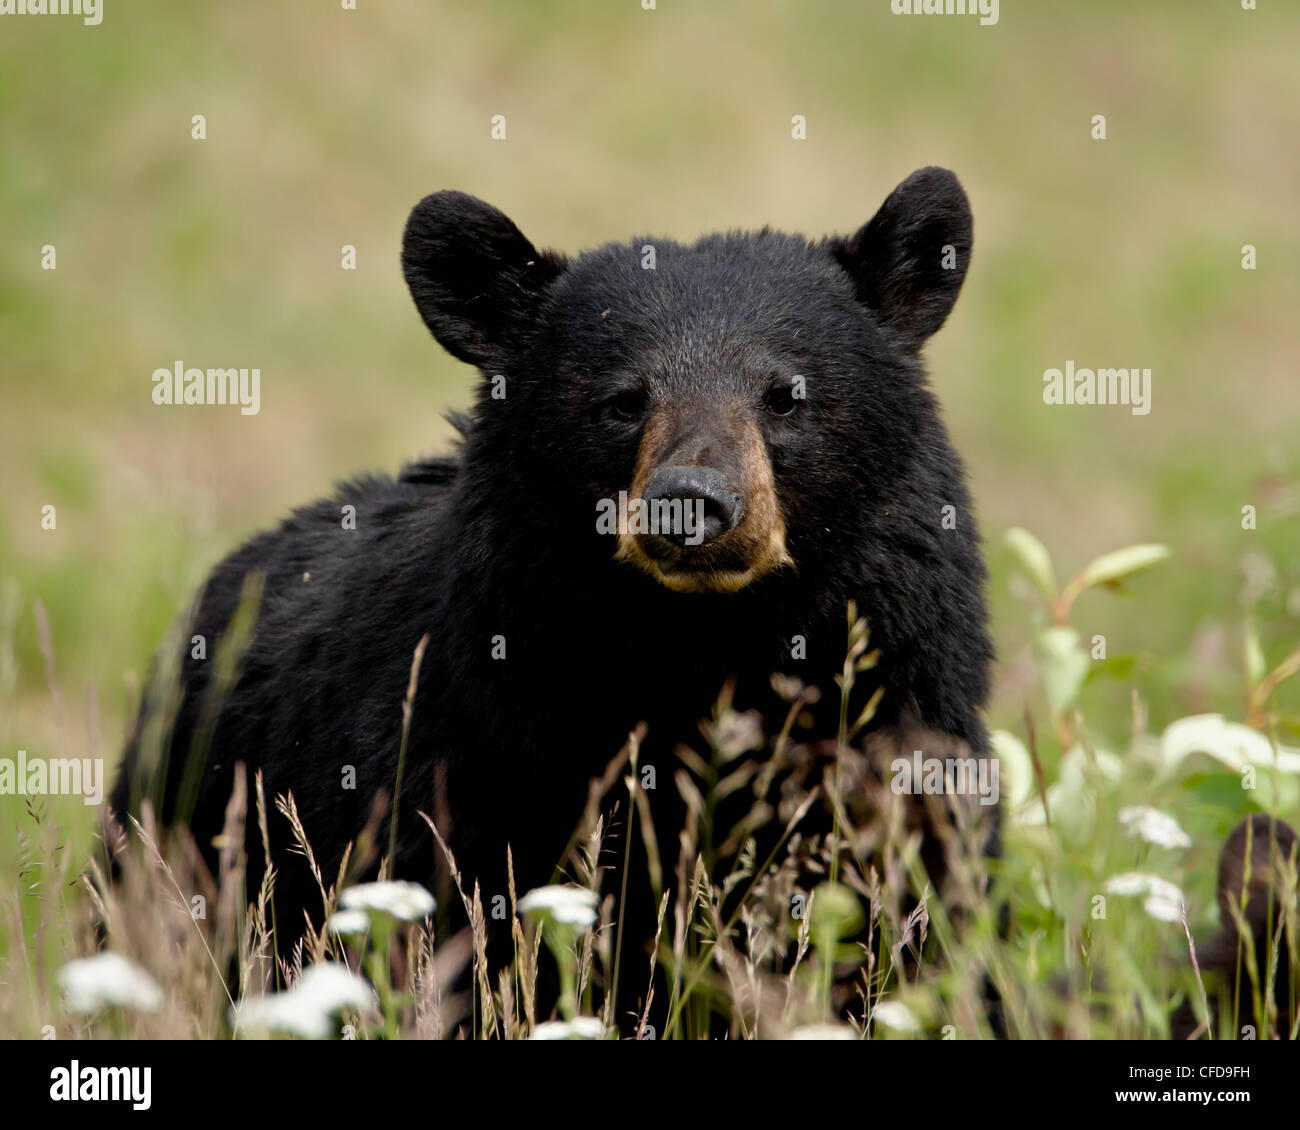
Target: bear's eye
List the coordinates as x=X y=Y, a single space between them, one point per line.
x=780 y=400
x=627 y=406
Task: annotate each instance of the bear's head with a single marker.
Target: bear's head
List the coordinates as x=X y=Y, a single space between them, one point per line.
x=721 y=405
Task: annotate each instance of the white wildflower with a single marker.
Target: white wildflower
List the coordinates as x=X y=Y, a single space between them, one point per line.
x=1163 y=899
x=348 y=923
x=92 y=983
x=572 y=906
x=1154 y=826
x=333 y=986
x=407 y=902
x=309 y=1006
x=579 y=1028
x=824 y=1032
x=286 y=1013
x=896 y=1015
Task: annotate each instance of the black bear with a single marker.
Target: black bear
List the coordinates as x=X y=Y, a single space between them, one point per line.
x=758 y=395
x=1249 y=965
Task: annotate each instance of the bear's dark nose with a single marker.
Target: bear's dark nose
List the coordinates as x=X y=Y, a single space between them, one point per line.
x=709 y=506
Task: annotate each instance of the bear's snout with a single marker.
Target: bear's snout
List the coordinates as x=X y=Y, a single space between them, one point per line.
x=700 y=503
x=711 y=522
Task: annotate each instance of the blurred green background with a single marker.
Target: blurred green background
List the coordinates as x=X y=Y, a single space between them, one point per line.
x=325 y=125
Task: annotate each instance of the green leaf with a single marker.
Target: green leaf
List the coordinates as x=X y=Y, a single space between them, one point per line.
x=1116 y=667
x=1015 y=767
x=1111 y=567
x=1222 y=790
x=1064 y=665
x=1034 y=559
x=1256 y=667
x=836 y=912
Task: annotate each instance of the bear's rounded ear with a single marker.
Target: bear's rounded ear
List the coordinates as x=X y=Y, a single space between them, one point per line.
x=909 y=260
x=476 y=280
